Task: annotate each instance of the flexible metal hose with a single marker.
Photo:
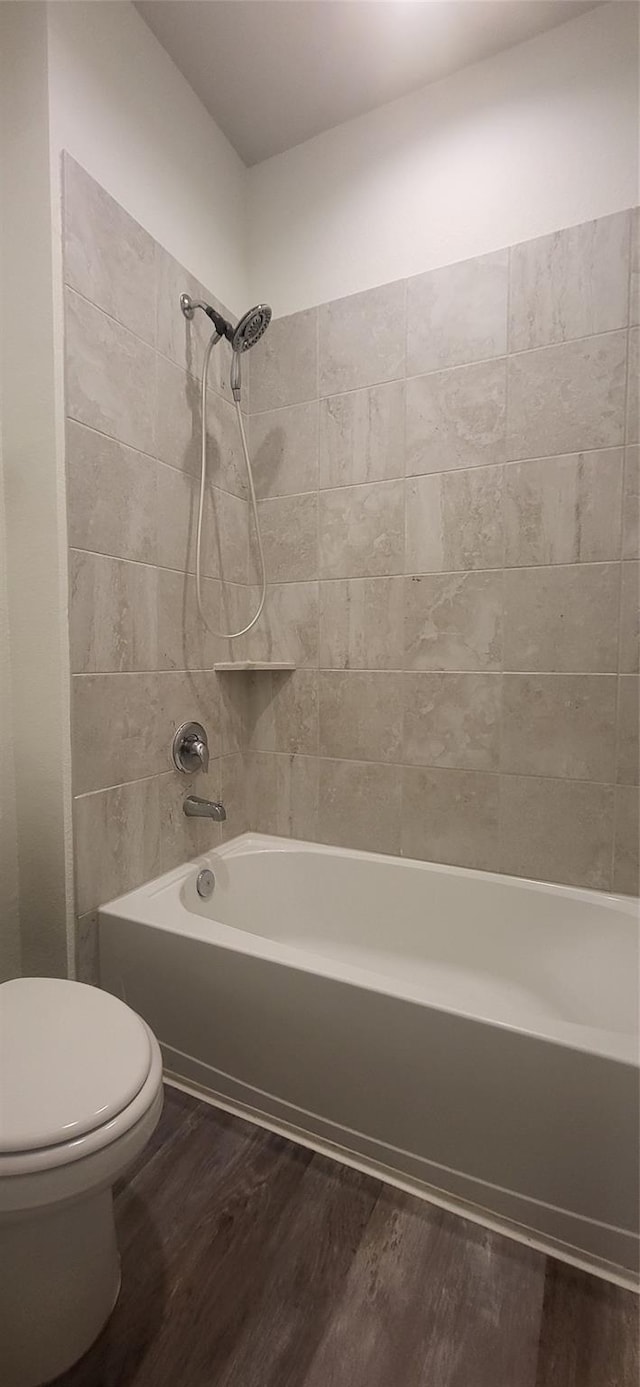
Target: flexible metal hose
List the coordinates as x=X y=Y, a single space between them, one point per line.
x=225 y=635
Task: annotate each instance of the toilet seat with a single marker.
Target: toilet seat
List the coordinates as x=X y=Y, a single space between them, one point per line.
x=78 y=1069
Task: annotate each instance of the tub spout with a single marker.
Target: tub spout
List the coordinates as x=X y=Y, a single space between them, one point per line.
x=195 y=808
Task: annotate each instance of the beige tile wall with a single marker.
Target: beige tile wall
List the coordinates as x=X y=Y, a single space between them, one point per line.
x=141 y=661
x=448 y=473
x=448 y=479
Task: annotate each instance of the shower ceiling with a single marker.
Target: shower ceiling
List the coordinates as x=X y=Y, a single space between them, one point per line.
x=275 y=72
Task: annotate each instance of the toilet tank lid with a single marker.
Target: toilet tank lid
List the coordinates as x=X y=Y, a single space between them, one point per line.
x=71 y=1058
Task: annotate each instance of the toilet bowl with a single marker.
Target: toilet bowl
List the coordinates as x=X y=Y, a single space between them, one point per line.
x=80 y=1095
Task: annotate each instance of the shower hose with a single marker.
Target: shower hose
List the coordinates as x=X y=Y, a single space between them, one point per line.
x=225 y=635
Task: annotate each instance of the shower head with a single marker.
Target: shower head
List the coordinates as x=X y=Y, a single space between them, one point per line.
x=246 y=332
x=242 y=337
x=251 y=328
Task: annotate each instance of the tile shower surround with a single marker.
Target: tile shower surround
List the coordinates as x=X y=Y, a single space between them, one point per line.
x=141 y=661
x=451 y=466
x=448 y=479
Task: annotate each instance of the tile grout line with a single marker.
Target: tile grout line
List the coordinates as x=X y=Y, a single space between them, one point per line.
x=405 y=528
x=150 y=457
x=152 y=346
x=344 y=486
x=503 y=593
x=505 y=356
x=161 y=567
x=318 y=529
x=435 y=572
x=616 y=797
x=412 y=766
x=507 y=435
x=169 y=774
x=505 y=463
x=359 y=670
x=418 y=574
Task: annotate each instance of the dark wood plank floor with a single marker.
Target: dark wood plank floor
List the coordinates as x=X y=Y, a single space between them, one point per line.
x=248 y=1261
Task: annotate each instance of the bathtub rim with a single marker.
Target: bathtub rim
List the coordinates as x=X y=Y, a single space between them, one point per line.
x=138 y=905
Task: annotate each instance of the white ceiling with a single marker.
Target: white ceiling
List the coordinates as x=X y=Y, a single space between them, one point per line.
x=272 y=73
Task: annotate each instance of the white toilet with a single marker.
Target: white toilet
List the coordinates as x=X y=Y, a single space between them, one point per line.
x=80 y=1095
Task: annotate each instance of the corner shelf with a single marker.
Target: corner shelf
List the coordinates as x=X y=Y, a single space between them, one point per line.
x=251 y=666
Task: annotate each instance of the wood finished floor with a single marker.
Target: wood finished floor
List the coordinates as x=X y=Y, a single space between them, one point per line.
x=248 y=1261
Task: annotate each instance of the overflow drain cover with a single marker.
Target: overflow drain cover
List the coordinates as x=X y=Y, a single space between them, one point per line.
x=205 y=883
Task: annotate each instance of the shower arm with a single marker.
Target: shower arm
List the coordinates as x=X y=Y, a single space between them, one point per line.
x=222 y=327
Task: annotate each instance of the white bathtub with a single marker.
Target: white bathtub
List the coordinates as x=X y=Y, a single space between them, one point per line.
x=470 y=1035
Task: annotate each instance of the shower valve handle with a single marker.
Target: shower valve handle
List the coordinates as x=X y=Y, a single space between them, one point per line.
x=190 y=748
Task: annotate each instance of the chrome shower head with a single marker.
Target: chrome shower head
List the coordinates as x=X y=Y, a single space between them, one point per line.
x=246 y=332
x=242 y=337
x=251 y=328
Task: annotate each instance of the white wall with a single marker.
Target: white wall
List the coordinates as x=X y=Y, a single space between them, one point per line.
x=539 y=138
x=120 y=106
x=9 y=918
x=35 y=554
x=9 y=914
